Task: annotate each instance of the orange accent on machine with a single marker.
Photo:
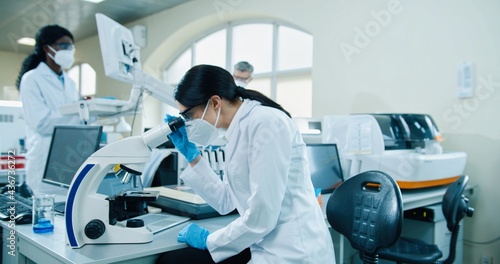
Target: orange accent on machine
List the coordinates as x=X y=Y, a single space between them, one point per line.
x=426 y=184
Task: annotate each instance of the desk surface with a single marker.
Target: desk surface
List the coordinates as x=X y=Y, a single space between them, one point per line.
x=52 y=248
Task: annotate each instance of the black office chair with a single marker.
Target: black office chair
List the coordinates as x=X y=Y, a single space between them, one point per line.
x=368 y=210
x=455 y=207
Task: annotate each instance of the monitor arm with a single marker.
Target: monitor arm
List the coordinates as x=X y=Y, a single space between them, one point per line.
x=153 y=86
x=143 y=82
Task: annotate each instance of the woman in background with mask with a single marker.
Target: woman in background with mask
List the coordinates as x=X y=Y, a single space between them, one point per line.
x=43 y=87
x=267 y=177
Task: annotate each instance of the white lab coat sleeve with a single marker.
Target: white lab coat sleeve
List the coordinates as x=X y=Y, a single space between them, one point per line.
x=269 y=157
x=38 y=115
x=35 y=111
x=203 y=180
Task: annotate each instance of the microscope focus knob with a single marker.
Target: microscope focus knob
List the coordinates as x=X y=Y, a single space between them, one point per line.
x=94 y=229
x=135 y=223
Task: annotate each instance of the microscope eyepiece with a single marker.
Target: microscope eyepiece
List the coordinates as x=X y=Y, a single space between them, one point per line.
x=159 y=134
x=176 y=123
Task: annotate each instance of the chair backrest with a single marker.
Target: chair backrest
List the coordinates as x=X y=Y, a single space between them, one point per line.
x=368 y=210
x=455 y=205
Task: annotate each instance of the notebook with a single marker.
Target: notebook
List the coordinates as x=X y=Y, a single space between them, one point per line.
x=160 y=221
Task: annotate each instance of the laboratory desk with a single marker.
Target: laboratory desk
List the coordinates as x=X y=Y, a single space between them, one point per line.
x=52 y=248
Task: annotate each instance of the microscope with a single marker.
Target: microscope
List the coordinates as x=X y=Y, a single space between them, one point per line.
x=93 y=218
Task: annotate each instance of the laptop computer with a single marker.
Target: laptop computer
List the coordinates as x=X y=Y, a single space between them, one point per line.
x=156 y=222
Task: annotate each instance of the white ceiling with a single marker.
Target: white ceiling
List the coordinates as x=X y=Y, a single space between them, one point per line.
x=22 y=18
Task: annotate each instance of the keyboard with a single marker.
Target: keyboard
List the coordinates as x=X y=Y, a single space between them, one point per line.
x=59 y=207
x=15 y=207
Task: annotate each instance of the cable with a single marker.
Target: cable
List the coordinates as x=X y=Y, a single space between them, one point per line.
x=135 y=111
x=482 y=243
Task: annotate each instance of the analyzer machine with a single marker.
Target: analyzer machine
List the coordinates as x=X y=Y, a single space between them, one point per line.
x=405 y=146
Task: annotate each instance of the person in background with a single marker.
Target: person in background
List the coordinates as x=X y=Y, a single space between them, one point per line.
x=267 y=176
x=43 y=87
x=242 y=73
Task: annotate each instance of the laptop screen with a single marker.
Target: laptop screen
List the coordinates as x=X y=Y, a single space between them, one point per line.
x=70 y=147
x=324 y=166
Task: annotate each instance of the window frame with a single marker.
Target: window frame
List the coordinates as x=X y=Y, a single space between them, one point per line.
x=79 y=83
x=273 y=75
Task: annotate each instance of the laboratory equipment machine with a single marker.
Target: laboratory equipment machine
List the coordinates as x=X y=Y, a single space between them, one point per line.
x=405 y=146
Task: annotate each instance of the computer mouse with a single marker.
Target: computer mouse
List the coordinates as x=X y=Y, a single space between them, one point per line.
x=23 y=218
x=25 y=190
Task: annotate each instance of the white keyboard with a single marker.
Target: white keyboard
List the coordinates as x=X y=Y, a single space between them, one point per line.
x=104 y=101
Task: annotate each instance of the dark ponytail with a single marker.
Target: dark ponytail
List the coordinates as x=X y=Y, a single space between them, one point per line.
x=257 y=96
x=203 y=81
x=29 y=63
x=47 y=35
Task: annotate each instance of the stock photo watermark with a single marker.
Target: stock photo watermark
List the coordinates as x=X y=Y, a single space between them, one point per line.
x=12 y=209
x=46 y=10
x=464 y=109
x=225 y=6
x=380 y=19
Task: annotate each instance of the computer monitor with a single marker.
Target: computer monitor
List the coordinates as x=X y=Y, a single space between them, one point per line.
x=324 y=166
x=118 y=48
x=122 y=62
x=71 y=146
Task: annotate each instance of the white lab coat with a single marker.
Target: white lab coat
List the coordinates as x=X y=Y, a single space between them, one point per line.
x=42 y=92
x=268 y=182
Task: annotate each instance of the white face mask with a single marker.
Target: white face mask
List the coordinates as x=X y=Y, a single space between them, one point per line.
x=241 y=83
x=63 y=58
x=202 y=132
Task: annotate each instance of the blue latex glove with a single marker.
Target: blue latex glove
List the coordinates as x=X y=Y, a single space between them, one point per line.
x=194 y=235
x=317 y=192
x=180 y=140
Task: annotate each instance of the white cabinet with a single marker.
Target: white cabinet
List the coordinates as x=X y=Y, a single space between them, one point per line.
x=434 y=232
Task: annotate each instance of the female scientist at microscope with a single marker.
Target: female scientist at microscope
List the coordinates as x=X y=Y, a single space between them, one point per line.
x=267 y=175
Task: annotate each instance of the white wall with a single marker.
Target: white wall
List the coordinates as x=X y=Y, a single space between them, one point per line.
x=9 y=69
x=407 y=64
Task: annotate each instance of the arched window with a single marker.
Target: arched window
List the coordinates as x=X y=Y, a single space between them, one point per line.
x=84 y=77
x=281 y=56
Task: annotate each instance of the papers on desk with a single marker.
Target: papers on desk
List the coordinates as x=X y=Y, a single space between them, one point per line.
x=181 y=200
x=178 y=192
